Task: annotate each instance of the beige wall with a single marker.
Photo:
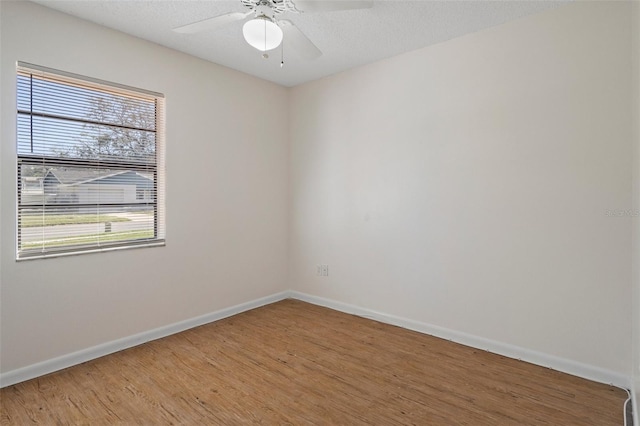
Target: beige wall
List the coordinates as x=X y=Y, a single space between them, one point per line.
x=226 y=191
x=466 y=185
x=636 y=191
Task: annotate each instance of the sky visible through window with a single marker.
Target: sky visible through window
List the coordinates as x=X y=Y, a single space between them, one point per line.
x=52 y=131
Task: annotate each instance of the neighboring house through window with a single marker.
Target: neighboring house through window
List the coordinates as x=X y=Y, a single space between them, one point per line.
x=90 y=164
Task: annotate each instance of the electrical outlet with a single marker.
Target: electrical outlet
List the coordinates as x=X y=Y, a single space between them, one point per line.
x=322 y=270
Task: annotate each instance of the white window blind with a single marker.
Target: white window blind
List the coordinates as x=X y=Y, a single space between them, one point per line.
x=90 y=164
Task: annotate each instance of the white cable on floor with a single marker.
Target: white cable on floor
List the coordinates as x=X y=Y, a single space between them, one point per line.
x=624 y=408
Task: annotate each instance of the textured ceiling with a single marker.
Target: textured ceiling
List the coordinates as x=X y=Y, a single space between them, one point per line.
x=347 y=38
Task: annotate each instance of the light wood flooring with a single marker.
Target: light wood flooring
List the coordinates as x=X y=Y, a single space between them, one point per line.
x=300 y=364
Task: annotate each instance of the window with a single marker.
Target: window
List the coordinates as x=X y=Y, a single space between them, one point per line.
x=90 y=164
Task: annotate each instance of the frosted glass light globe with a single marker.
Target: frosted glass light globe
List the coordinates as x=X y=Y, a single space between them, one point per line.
x=262 y=33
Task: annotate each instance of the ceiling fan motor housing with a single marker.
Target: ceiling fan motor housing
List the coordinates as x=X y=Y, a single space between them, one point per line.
x=268 y=8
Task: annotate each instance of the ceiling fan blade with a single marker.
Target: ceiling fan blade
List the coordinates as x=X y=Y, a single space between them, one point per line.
x=212 y=23
x=299 y=42
x=329 y=5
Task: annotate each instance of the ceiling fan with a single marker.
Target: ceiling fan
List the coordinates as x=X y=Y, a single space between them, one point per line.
x=265 y=32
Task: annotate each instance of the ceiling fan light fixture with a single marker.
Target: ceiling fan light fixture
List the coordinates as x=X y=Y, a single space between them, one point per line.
x=262 y=33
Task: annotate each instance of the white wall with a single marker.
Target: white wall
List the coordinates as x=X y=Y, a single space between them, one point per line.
x=1 y=143
x=636 y=205
x=466 y=185
x=226 y=192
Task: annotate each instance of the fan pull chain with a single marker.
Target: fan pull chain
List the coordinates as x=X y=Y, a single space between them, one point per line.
x=282 y=54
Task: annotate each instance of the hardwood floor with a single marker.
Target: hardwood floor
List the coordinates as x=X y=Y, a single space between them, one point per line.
x=296 y=363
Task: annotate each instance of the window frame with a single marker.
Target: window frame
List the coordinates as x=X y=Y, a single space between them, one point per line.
x=157 y=170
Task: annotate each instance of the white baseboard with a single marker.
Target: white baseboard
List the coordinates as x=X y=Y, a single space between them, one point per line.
x=560 y=364
x=545 y=360
x=64 y=361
